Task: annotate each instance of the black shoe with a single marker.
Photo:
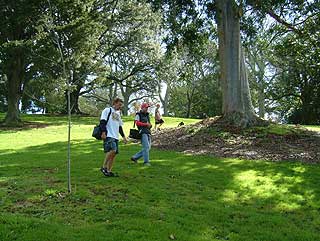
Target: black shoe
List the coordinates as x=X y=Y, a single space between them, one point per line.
x=104 y=171
x=134 y=160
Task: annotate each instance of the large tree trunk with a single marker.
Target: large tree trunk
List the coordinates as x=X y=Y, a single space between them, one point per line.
x=75 y=93
x=15 y=81
x=125 y=107
x=236 y=103
x=74 y=101
x=126 y=93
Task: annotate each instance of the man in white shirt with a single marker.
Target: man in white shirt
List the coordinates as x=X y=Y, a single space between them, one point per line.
x=111 y=125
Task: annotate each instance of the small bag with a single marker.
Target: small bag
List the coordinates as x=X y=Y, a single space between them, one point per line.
x=97 y=132
x=135 y=134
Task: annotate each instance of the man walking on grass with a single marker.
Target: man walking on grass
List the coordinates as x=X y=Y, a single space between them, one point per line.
x=142 y=120
x=111 y=125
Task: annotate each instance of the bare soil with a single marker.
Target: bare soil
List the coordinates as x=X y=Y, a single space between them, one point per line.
x=212 y=137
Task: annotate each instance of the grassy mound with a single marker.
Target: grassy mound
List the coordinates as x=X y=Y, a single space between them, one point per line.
x=274 y=142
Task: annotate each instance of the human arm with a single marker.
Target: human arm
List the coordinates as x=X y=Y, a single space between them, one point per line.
x=142 y=124
x=103 y=128
x=122 y=134
x=139 y=123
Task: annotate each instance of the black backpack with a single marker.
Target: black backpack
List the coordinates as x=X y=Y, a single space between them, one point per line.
x=97 y=132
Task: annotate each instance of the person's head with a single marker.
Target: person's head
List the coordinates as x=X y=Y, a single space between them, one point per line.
x=158 y=105
x=144 y=107
x=117 y=103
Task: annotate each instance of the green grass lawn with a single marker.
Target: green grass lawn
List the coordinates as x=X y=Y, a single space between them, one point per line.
x=180 y=196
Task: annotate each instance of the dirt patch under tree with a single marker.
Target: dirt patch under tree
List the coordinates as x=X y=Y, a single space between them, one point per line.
x=211 y=136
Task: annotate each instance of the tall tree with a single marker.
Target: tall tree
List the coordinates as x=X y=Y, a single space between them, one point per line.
x=130 y=49
x=17 y=32
x=236 y=99
x=185 y=16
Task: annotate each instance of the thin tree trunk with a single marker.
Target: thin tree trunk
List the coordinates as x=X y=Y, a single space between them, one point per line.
x=261 y=102
x=165 y=100
x=258 y=67
x=189 y=99
x=112 y=92
x=245 y=89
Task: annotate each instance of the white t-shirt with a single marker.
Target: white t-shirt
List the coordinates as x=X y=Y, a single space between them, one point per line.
x=113 y=123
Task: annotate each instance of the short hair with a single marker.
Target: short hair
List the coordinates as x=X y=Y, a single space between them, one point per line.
x=117 y=100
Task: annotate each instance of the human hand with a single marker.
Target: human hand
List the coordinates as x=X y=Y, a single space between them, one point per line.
x=103 y=136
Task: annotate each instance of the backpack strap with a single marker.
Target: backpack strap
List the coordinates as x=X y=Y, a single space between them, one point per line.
x=109 y=115
x=103 y=122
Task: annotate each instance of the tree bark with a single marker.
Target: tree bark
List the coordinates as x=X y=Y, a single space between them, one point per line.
x=189 y=103
x=258 y=67
x=237 y=106
x=74 y=101
x=126 y=92
x=112 y=92
x=77 y=80
x=261 y=103
x=15 y=81
x=165 y=100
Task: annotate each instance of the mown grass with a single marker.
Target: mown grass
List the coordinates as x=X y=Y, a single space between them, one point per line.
x=180 y=196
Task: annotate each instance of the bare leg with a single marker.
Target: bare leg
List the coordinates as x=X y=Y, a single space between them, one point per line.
x=110 y=160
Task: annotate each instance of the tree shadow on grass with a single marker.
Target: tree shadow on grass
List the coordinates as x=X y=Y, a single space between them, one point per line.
x=42 y=121
x=191 y=197
x=284 y=196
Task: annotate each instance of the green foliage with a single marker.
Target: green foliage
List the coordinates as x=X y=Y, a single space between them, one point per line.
x=114 y=48
x=183 y=196
x=298 y=61
x=274 y=129
x=196 y=92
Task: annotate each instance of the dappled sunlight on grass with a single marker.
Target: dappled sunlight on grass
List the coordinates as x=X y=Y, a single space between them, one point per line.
x=299 y=169
x=278 y=190
x=189 y=197
x=276 y=129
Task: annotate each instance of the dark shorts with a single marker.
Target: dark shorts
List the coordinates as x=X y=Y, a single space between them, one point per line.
x=159 y=121
x=110 y=144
